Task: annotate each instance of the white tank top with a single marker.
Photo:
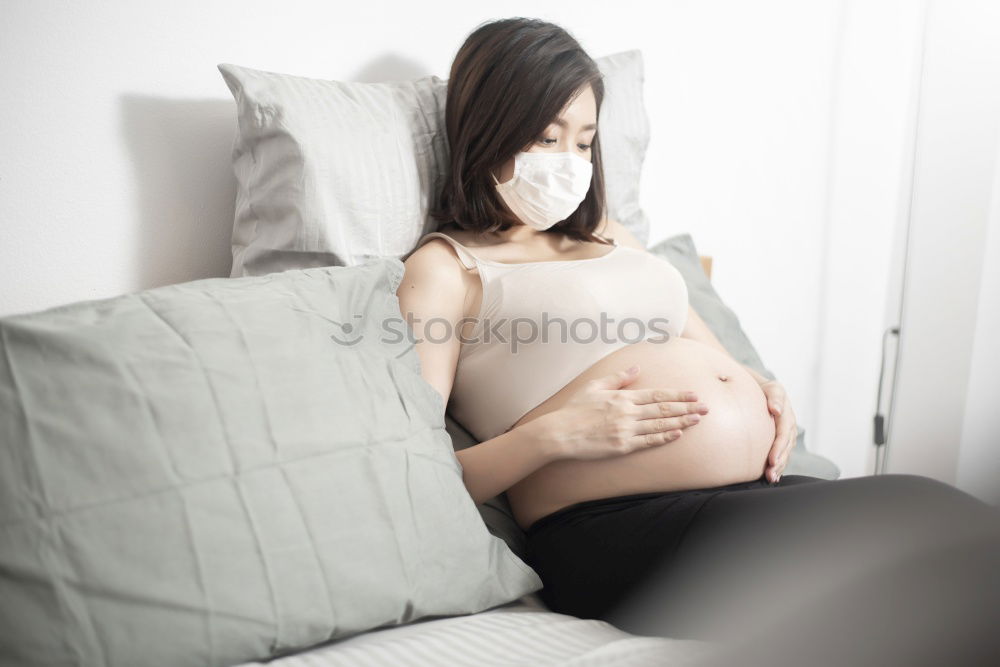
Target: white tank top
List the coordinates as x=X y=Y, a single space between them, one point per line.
x=506 y=367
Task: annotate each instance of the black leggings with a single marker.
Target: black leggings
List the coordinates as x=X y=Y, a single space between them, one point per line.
x=876 y=558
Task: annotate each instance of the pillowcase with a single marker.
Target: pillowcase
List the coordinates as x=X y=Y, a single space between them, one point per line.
x=624 y=139
x=681 y=252
x=338 y=173
x=331 y=172
x=228 y=469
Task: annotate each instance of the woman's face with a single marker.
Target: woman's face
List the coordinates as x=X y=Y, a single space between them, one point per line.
x=573 y=131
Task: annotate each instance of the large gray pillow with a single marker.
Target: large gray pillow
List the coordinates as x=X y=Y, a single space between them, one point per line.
x=681 y=252
x=226 y=470
x=339 y=172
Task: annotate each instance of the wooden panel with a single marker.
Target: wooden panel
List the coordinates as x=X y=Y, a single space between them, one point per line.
x=706 y=265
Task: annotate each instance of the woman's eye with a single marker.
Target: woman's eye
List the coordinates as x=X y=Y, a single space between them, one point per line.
x=548 y=141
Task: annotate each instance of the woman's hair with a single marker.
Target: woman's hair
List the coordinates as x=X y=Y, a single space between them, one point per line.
x=510 y=79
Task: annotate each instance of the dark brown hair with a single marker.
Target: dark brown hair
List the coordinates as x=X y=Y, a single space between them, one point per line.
x=510 y=79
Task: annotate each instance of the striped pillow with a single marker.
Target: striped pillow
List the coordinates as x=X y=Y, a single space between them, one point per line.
x=338 y=173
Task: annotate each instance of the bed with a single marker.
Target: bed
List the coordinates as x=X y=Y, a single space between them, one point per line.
x=233 y=471
x=523 y=632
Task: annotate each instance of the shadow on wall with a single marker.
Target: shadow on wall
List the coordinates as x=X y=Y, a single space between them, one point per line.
x=184 y=185
x=391 y=67
x=181 y=151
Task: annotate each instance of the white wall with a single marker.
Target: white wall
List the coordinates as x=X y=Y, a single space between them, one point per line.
x=946 y=369
x=778 y=140
x=979 y=457
x=874 y=122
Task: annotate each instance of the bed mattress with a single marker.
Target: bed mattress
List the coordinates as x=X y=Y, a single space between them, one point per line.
x=522 y=632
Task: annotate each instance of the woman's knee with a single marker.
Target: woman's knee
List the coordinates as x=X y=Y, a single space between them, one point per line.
x=925 y=501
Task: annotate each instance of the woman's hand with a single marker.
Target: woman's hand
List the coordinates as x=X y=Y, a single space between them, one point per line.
x=603 y=420
x=785 y=431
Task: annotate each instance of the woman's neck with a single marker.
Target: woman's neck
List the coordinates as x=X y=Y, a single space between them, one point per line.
x=524 y=236
x=521 y=234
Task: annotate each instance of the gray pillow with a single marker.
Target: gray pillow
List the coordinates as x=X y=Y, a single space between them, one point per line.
x=624 y=138
x=680 y=251
x=338 y=173
x=226 y=470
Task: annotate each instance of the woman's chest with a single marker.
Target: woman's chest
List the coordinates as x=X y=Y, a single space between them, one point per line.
x=631 y=298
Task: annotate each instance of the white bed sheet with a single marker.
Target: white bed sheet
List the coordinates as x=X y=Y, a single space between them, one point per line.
x=523 y=632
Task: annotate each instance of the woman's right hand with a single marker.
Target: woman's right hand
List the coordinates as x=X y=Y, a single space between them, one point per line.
x=602 y=419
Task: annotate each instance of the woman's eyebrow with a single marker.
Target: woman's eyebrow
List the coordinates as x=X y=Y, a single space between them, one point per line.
x=561 y=123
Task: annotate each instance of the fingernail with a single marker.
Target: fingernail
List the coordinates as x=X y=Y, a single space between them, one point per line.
x=633 y=368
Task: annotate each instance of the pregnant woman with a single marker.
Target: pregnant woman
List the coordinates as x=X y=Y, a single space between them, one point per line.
x=631 y=445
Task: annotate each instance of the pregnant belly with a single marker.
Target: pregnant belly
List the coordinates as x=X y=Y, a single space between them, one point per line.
x=730 y=444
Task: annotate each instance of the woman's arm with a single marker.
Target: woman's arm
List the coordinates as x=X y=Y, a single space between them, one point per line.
x=435 y=285
x=495 y=465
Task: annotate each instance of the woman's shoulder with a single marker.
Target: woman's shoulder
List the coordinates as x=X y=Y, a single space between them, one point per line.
x=443 y=258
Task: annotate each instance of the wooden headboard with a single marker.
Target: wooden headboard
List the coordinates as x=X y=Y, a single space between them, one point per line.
x=706 y=265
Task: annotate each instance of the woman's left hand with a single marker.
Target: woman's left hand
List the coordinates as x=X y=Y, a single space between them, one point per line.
x=785 y=431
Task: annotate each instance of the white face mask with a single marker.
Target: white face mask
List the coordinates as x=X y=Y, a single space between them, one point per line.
x=546 y=187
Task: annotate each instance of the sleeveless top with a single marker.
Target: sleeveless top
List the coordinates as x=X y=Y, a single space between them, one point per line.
x=541 y=324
